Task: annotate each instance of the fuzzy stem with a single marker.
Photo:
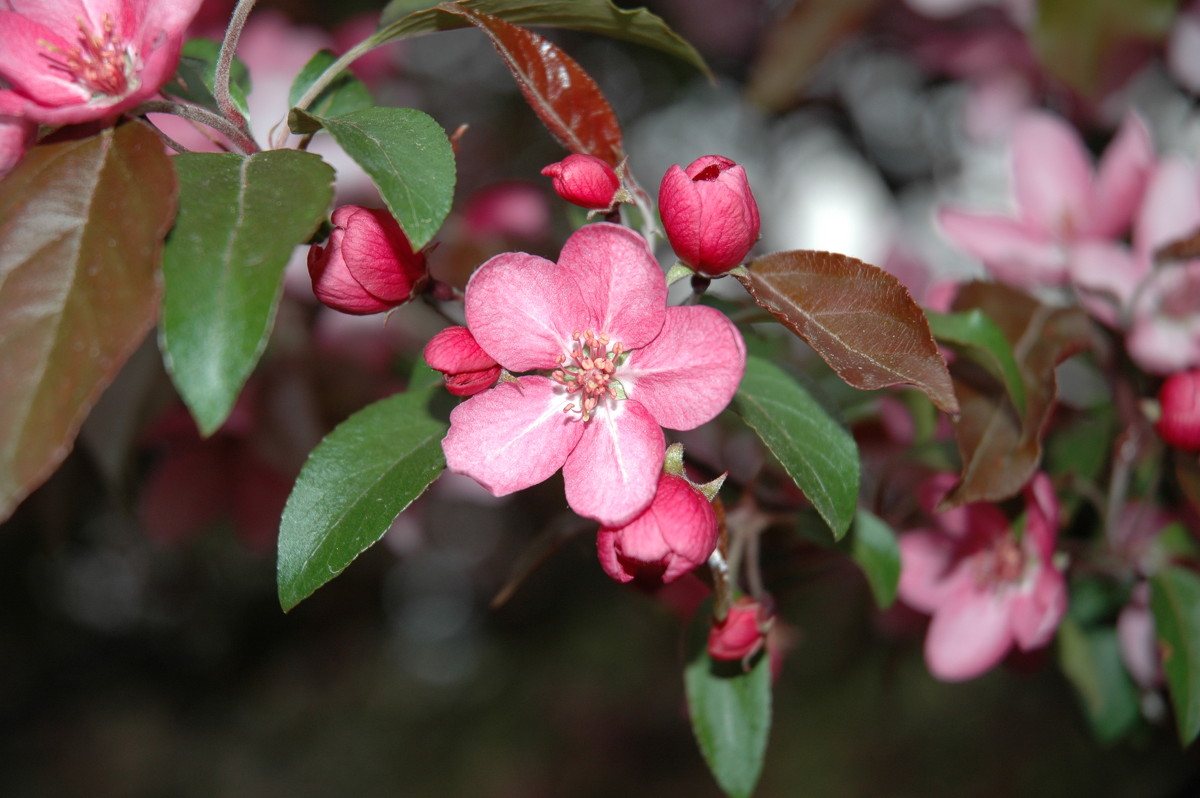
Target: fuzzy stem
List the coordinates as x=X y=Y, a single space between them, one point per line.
x=224 y=69
x=195 y=113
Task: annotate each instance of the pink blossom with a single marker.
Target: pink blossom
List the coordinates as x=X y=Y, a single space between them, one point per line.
x=70 y=61
x=508 y=209
x=367 y=266
x=466 y=368
x=742 y=632
x=1061 y=201
x=610 y=365
x=675 y=533
x=985 y=586
x=709 y=213
x=1138 y=641
x=584 y=180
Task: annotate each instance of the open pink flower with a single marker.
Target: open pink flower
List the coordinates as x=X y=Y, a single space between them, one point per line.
x=985 y=586
x=69 y=61
x=610 y=365
x=1060 y=200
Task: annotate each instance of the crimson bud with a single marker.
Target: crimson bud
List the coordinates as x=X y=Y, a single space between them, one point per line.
x=1179 y=422
x=466 y=368
x=673 y=535
x=709 y=213
x=584 y=180
x=367 y=265
x=742 y=633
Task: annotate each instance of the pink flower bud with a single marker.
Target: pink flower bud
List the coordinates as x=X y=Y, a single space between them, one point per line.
x=709 y=213
x=1179 y=397
x=584 y=180
x=673 y=535
x=367 y=266
x=743 y=631
x=466 y=368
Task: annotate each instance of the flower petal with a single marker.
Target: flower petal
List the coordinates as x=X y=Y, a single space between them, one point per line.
x=1170 y=210
x=1038 y=609
x=1012 y=251
x=969 y=634
x=1052 y=174
x=927 y=569
x=511 y=437
x=690 y=372
x=613 y=472
x=620 y=281
x=1121 y=179
x=1105 y=275
x=522 y=310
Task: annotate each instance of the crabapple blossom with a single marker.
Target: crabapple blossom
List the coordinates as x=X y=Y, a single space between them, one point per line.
x=466 y=368
x=675 y=533
x=1061 y=201
x=742 y=632
x=367 y=266
x=709 y=213
x=585 y=180
x=69 y=61
x=986 y=587
x=1179 y=400
x=609 y=365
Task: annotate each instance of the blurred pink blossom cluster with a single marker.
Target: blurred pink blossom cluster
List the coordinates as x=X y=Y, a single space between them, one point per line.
x=1100 y=233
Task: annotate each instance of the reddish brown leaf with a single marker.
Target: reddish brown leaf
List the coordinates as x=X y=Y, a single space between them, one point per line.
x=856 y=316
x=81 y=230
x=560 y=92
x=1001 y=448
x=797 y=43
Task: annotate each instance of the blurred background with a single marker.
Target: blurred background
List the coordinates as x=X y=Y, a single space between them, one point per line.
x=479 y=650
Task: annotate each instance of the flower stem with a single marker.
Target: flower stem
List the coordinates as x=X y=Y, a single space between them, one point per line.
x=195 y=113
x=221 y=80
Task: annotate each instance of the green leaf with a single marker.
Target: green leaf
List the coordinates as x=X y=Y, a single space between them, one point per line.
x=354 y=484
x=195 y=77
x=408 y=157
x=1091 y=659
x=344 y=94
x=639 y=26
x=240 y=217
x=81 y=230
x=875 y=549
x=816 y=451
x=1175 y=603
x=731 y=717
x=976 y=336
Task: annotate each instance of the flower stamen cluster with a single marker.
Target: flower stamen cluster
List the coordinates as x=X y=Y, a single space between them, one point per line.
x=592 y=374
x=100 y=63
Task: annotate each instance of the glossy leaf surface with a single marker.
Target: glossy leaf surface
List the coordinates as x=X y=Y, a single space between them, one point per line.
x=731 y=717
x=240 y=218
x=403 y=18
x=1175 y=602
x=409 y=159
x=1000 y=447
x=858 y=317
x=344 y=94
x=353 y=486
x=559 y=91
x=817 y=452
x=81 y=225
